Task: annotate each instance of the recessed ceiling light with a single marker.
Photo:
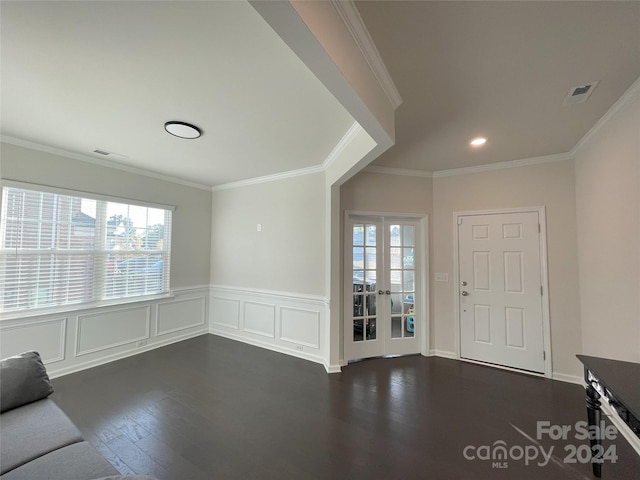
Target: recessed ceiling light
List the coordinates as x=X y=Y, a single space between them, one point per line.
x=182 y=129
x=476 y=142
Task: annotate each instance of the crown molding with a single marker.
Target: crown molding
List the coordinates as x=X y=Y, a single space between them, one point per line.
x=98 y=161
x=358 y=31
x=269 y=178
x=502 y=165
x=405 y=172
x=348 y=137
x=632 y=92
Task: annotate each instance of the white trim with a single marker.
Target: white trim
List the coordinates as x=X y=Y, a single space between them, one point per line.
x=443 y=354
x=406 y=172
x=632 y=92
x=268 y=346
x=504 y=367
x=79 y=307
x=347 y=138
x=502 y=165
x=286 y=296
x=269 y=178
x=544 y=279
x=332 y=368
x=360 y=35
x=120 y=355
x=98 y=161
x=563 y=377
x=344 y=142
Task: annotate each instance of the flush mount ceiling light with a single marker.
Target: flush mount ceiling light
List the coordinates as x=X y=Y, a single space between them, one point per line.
x=478 y=141
x=182 y=129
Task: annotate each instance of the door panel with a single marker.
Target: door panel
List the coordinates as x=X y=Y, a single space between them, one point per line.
x=500 y=293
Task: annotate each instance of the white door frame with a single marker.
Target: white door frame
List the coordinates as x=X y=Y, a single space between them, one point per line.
x=423 y=295
x=546 y=324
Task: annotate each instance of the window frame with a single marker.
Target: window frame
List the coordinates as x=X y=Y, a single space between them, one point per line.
x=99 y=276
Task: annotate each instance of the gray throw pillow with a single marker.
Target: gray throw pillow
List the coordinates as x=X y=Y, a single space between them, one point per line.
x=23 y=379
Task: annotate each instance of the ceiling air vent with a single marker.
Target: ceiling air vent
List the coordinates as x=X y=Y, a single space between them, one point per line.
x=113 y=155
x=580 y=93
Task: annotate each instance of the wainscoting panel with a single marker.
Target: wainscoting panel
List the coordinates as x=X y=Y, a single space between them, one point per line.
x=260 y=319
x=181 y=315
x=299 y=326
x=112 y=328
x=77 y=339
x=47 y=337
x=289 y=323
x=225 y=312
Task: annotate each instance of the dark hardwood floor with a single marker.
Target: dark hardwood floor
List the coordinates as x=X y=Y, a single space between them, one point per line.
x=211 y=408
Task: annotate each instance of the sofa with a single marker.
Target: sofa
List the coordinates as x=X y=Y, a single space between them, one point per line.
x=37 y=440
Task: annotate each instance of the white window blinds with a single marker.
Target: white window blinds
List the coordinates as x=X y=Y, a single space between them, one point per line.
x=59 y=249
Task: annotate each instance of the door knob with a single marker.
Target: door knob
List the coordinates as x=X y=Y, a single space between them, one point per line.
x=380 y=292
x=388 y=292
x=464 y=284
x=464 y=293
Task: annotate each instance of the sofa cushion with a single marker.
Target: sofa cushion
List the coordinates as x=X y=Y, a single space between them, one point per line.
x=79 y=461
x=33 y=431
x=23 y=379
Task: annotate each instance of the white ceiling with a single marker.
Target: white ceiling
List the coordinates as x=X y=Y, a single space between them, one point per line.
x=83 y=75
x=501 y=70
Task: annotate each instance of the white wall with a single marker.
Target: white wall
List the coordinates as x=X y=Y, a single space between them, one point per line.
x=607 y=172
x=268 y=287
x=550 y=185
x=288 y=254
x=76 y=338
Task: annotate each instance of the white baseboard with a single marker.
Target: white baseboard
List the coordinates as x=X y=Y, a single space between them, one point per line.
x=443 y=354
x=332 y=368
x=268 y=346
x=55 y=373
x=563 y=377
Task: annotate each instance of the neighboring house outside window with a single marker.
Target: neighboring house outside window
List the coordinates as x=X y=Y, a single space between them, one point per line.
x=60 y=248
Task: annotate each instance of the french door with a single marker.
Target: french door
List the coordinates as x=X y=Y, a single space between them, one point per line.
x=383 y=314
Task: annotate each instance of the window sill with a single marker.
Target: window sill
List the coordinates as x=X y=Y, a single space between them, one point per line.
x=64 y=309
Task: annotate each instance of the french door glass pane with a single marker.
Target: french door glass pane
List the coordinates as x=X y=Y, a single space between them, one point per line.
x=365 y=264
x=402 y=280
x=358 y=235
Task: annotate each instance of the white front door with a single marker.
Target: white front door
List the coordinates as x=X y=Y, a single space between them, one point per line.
x=500 y=302
x=382 y=284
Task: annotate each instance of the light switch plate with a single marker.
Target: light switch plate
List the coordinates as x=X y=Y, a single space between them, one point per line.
x=442 y=277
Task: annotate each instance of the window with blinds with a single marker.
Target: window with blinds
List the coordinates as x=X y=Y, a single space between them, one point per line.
x=59 y=249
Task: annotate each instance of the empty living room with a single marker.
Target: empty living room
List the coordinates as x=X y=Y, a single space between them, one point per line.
x=324 y=239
